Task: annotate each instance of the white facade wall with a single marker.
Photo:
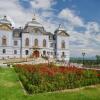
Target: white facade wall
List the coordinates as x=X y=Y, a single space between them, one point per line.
x=50 y=50
x=17 y=47
x=59 y=49
x=32 y=36
x=53 y=51
x=8 y=47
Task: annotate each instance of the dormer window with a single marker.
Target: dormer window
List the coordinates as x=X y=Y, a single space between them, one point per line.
x=35 y=30
x=5 y=17
x=16 y=34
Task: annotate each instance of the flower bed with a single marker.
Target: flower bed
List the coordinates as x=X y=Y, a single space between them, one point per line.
x=43 y=78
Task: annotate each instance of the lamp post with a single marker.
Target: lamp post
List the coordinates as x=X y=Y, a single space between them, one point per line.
x=48 y=62
x=83 y=54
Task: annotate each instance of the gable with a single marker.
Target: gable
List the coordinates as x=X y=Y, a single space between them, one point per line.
x=5 y=27
x=38 y=31
x=62 y=33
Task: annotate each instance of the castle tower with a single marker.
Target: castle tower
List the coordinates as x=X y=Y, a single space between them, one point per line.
x=62 y=43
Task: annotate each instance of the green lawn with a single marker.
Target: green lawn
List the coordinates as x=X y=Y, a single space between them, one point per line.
x=10 y=89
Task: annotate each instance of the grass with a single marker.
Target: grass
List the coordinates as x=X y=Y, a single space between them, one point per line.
x=10 y=89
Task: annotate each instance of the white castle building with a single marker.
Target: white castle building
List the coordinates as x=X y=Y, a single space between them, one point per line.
x=32 y=41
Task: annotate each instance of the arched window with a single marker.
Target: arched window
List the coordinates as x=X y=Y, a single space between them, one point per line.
x=27 y=42
x=36 y=42
x=44 y=43
x=36 y=30
x=4 y=40
x=63 y=44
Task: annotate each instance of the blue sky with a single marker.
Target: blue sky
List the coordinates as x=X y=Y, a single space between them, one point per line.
x=88 y=9
x=81 y=19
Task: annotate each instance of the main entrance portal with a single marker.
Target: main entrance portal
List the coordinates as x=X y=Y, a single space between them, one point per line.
x=36 y=53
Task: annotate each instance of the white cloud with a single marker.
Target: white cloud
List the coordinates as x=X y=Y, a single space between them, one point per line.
x=14 y=11
x=93 y=27
x=97 y=37
x=71 y=17
x=44 y=4
x=89 y=40
x=20 y=16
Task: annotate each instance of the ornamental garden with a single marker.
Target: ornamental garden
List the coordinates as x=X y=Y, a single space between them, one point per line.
x=42 y=78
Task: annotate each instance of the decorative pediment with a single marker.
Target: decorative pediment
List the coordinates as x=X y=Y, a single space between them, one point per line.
x=35 y=30
x=38 y=31
x=5 y=27
x=63 y=33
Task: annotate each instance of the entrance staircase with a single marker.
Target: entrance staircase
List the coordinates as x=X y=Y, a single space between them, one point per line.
x=24 y=61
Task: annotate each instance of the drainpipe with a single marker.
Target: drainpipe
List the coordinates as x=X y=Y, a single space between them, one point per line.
x=21 y=45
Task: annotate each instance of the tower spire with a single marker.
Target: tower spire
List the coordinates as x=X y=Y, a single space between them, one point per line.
x=59 y=26
x=34 y=17
x=5 y=17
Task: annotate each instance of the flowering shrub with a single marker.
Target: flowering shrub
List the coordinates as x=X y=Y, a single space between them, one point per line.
x=43 y=78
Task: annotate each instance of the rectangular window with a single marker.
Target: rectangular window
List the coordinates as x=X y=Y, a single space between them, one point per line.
x=55 y=45
x=51 y=44
x=15 y=43
x=26 y=52
x=51 y=53
x=55 y=54
x=50 y=37
x=4 y=51
x=15 y=51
